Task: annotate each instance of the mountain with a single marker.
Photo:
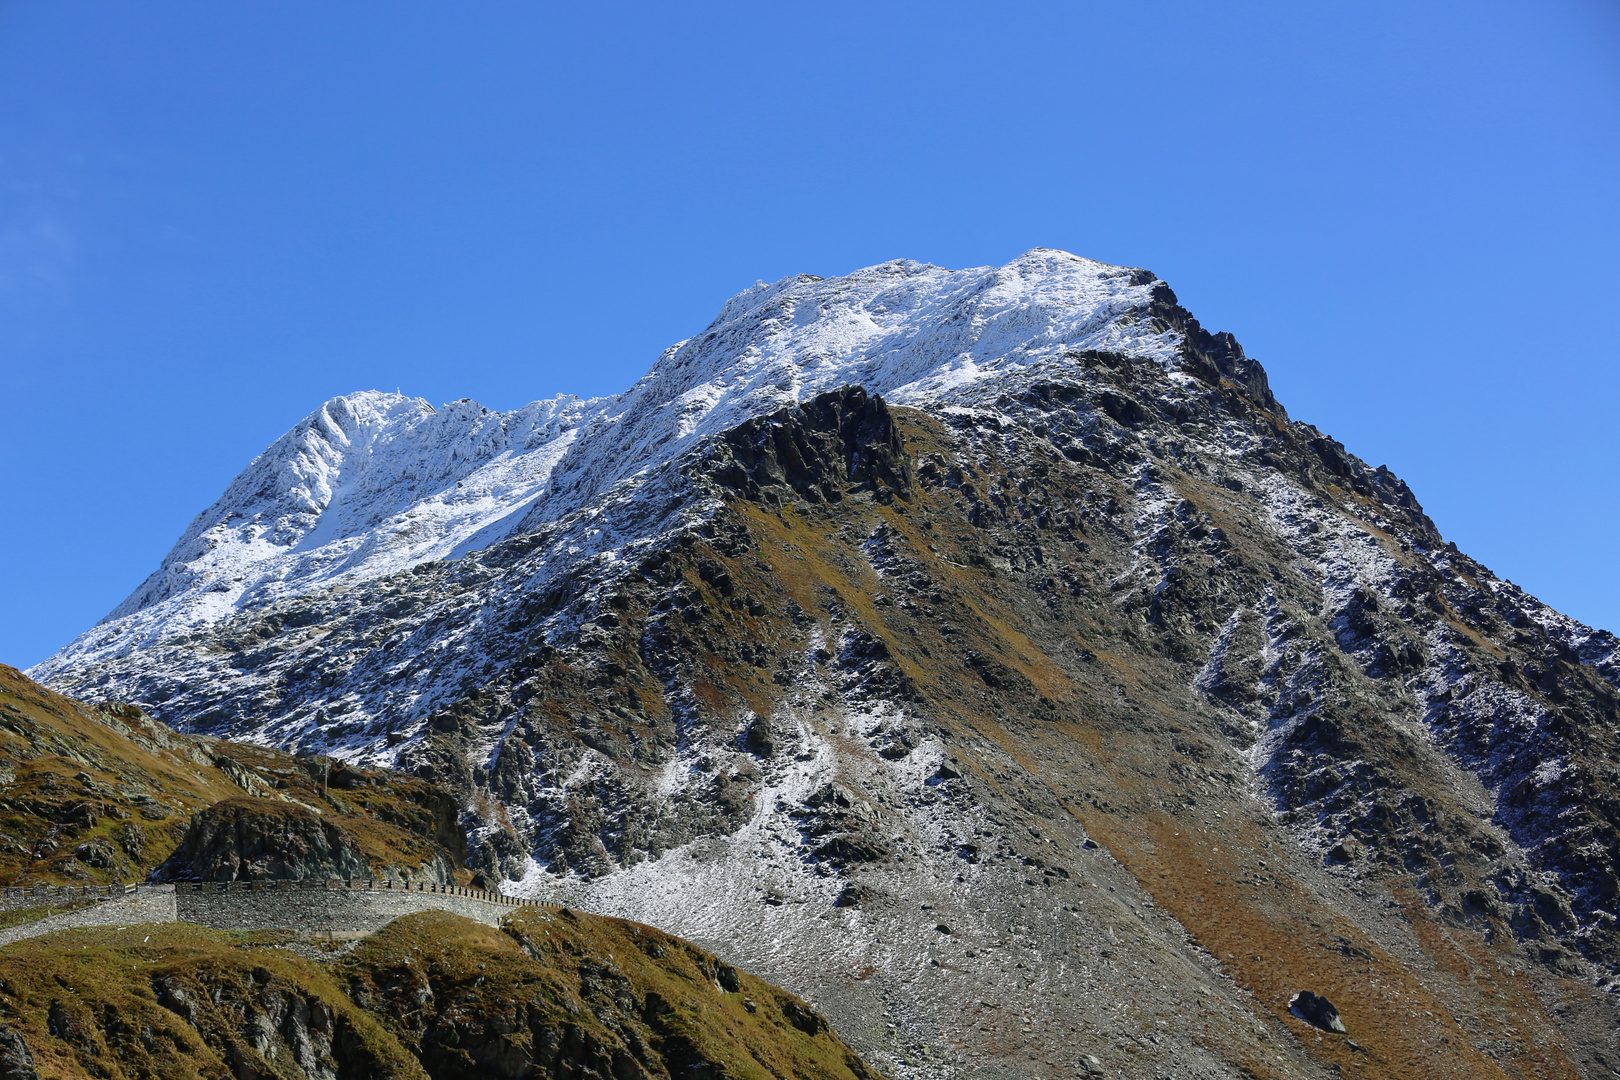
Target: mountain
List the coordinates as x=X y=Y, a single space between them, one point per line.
x=984 y=655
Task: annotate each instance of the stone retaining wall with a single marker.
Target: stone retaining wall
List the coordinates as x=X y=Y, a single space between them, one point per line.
x=147 y=904
x=349 y=906
x=365 y=885
x=14 y=897
x=346 y=907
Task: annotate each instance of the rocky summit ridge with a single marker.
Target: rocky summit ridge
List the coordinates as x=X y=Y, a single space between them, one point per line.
x=984 y=655
x=371 y=483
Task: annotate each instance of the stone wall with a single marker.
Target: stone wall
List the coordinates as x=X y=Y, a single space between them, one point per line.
x=147 y=904
x=363 y=906
x=345 y=907
x=13 y=897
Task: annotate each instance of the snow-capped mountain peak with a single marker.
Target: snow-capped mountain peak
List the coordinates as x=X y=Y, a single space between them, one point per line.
x=366 y=484
x=371 y=483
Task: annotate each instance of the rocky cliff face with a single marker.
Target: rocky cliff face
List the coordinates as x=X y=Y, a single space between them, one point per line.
x=984 y=655
x=245 y=839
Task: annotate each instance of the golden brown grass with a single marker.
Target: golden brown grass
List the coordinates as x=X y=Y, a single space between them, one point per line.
x=87 y=1003
x=179 y=1002
x=118 y=777
x=559 y=968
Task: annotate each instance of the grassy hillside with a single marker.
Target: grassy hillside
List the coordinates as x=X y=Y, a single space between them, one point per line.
x=551 y=994
x=95 y=795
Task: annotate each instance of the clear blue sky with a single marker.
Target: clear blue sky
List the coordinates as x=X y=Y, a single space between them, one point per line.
x=214 y=216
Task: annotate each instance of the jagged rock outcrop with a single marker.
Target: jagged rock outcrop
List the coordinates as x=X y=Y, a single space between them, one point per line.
x=835 y=444
x=246 y=839
x=1008 y=600
x=560 y=994
x=187 y=1002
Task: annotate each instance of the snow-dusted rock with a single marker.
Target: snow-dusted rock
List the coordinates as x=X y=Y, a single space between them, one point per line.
x=373 y=483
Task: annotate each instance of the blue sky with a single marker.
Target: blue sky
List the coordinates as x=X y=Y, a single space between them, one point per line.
x=215 y=216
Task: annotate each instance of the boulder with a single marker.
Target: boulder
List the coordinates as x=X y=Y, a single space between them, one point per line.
x=855 y=895
x=1348 y=850
x=96 y=853
x=759 y=739
x=1317 y=1011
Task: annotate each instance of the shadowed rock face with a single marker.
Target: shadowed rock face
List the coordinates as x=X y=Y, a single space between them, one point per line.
x=1317 y=1010
x=835 y=444
x=246 y=839
x=1165 y=704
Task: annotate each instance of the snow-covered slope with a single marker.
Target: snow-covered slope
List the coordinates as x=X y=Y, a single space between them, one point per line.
x=371 y=483
x=367 y=484
x=910 y=332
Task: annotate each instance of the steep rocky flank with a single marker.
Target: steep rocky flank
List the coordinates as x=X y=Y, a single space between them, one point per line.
x=983 y=655
x=431 y=995
x=99 y=794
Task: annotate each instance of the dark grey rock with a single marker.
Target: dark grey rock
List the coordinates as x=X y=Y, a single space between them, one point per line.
x=262 y=839
x=759 y=738
x=1317 y=1011
x=16 y=1063
x=96 y=853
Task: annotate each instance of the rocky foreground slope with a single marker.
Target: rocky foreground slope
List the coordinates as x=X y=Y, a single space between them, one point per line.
x=984 y=655
x=432 y=995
